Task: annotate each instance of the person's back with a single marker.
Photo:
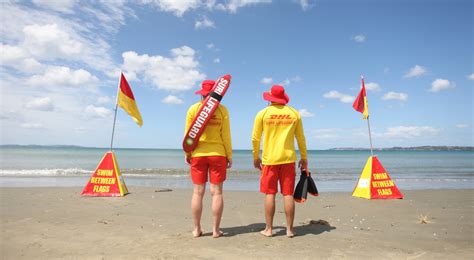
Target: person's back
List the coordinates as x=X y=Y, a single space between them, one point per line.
x=215 y=140
x=209 y=160
x=279 y=124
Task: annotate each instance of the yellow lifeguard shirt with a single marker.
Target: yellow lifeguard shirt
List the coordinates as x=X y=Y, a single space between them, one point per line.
x=216 y=140
x=280 y=124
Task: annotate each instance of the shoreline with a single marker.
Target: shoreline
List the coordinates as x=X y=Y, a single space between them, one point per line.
x=248 y=183
x=151 y=223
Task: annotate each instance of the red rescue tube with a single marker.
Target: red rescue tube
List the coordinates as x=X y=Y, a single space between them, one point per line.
x=209 y=106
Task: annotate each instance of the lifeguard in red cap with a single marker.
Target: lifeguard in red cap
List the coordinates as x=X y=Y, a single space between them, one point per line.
x=211 y=157
x=280 y=124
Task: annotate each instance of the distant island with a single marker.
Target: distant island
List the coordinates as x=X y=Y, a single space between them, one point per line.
x=413 y=148
x=395 y=148
x=44 y=146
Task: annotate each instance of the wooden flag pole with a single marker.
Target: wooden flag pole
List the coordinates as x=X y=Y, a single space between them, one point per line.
x=115 y=115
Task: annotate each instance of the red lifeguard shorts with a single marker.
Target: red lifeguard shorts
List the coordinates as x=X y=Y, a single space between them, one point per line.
x=216 y=166
x=271 y=174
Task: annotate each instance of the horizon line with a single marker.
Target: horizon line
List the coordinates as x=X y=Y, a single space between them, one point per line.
x=248 y=149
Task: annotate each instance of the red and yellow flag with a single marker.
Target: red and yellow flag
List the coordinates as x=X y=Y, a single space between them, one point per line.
x=126 y=100
x=360 y=104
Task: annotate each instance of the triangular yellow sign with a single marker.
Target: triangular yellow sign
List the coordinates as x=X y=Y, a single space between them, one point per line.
x=375 y=183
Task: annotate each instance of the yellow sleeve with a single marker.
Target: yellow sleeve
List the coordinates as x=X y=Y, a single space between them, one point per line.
x=226 y=138
x=189 y=119
x=257 y=135
x=300 y=139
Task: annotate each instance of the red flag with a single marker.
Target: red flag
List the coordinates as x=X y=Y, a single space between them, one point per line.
x=360 y=104
x=126 y=100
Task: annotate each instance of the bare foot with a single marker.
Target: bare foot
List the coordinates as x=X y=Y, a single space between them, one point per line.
x=197 y=233
x=266 y=232
x=218 y=234
x=290 y=234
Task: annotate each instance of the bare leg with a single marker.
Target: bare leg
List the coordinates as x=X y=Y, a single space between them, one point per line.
x=196 y=207
x=269 y=213
x=217 y=208
x=290 y=214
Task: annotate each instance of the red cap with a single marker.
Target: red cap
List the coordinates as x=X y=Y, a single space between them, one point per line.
x=206 y=87
x=276 y=94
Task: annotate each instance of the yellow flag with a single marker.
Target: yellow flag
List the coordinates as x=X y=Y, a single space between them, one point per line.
x=361 y=104
x=126 y=100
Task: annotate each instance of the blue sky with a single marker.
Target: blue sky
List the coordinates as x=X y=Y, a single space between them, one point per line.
x=60 y=61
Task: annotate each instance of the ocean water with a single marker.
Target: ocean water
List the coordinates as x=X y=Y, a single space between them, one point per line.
x=163 y=168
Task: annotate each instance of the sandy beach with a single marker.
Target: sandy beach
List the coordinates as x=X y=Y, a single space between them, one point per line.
x=152 y=223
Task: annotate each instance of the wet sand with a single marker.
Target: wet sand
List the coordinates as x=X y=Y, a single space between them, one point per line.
x=150 y=223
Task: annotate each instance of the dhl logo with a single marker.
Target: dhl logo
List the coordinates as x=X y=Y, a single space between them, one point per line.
x=280 y=117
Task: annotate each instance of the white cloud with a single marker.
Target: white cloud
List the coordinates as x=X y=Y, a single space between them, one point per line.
x=416 y=71
x=441 y=84
x=57 y=76
x=43 y=36
x=49 y=42
x=51 y=52
x=107 y=16
x=35 y=37
x=233 y=5
x=10 y=115
x=104 y=100
x=344 y=98
x=410 y=131
x=177 y=7
x=288 y=81
x=395 y=96
x=17 y=58
x=176 y=73
x=183 y=51
x=373 y=87
x=296 y=79
x=32 y=126
x=41 y=104
x=97 y=112
x=305 y=4
x=80 y=129
x=471 y=77
x=360 y=38
x=68 y=113
x=210 y=46
x=15 y=17
x=11 y=54
x=172 y=100
x=64 y=6
x=203 y=23
x=462 y=126
x=266 y=80
x=180 y=7
x=305 y=113
x=219 y=6
x=285 y=82
x=217 y=60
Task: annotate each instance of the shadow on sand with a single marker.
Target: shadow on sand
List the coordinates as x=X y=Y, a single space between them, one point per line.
x=303 y=230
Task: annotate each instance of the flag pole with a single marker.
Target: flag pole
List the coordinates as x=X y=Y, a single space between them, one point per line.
x=115 y=115
x=368 y=121
x=370 y=137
